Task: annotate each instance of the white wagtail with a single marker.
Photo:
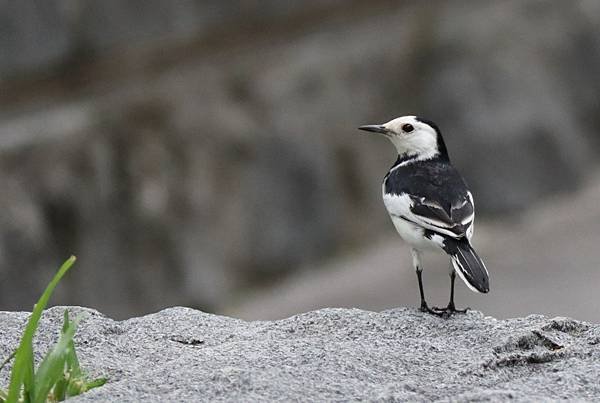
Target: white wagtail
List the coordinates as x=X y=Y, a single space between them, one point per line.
x=430 y=204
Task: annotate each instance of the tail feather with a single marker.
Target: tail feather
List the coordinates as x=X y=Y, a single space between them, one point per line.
x=467 y=264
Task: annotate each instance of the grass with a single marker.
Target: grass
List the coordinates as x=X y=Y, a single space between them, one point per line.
x=59 y=375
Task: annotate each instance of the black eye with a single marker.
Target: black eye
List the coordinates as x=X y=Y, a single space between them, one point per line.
x=407 y=127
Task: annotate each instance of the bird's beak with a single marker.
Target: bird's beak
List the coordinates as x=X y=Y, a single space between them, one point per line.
x=374 y=128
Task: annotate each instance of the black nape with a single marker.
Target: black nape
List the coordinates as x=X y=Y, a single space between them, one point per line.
x=440 y=140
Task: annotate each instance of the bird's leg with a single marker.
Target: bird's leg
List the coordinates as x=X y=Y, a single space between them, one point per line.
x=417 y=265
x=451 y=305
x=424 y=306
x=451 y=308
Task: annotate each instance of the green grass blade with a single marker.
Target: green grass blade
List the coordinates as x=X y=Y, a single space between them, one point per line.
x=52 y=368
x=27 y=359
x=95 y=383
x=72 y=362
x=79 y=386
x=22 y=371
x=59 y=390
x=66 y=321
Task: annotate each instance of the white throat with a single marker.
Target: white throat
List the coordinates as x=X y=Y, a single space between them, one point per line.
x=417 y=148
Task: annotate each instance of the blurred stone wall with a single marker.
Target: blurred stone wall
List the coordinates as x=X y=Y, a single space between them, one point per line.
x=188 y=150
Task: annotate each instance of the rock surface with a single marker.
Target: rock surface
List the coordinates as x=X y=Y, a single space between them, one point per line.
x=181 y=354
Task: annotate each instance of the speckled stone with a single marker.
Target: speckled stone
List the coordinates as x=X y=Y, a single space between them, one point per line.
x=181 y=354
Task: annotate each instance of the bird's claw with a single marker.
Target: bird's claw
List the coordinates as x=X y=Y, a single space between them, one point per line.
x=432 y=311
x=448 y=311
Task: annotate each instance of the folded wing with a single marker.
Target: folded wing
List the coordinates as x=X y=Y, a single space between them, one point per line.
x=453 y=218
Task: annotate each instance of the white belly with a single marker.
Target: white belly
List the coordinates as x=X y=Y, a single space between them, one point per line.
x=413 y=235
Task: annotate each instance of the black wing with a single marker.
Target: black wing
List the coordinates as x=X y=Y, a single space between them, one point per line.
x=453 y=218
x=438 y=197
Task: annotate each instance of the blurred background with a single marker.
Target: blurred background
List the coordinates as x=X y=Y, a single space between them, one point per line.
x=205 y=153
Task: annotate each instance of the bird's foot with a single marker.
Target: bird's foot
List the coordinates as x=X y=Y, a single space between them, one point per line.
x=449 y=310
x=425 y=308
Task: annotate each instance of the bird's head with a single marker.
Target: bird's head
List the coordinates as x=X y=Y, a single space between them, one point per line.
x=414 y=137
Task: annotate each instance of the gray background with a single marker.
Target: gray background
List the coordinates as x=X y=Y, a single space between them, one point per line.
x=206 y=153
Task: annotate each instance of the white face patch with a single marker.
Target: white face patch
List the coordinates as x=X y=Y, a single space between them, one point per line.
x=421 y=141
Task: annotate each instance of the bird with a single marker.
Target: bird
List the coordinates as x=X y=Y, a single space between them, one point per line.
x=430 y=204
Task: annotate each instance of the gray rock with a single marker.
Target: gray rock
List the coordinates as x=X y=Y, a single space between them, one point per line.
x=181 y=354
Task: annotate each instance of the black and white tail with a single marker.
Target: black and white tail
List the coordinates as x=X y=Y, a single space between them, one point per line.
x=467 y=264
